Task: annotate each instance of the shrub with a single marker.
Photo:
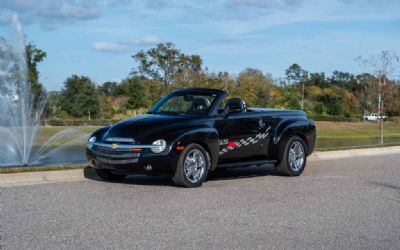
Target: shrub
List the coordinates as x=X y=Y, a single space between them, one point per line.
x=395 y=119
x=334 y=118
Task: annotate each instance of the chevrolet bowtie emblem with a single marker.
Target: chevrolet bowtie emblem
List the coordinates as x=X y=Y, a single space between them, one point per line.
x=114 y=146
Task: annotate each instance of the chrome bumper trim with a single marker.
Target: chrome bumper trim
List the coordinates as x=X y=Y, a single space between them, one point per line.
x=122 y=147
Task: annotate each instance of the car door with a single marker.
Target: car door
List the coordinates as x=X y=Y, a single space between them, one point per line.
x=238 y=136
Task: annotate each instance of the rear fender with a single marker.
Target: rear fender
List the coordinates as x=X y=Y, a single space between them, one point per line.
x=289 y=128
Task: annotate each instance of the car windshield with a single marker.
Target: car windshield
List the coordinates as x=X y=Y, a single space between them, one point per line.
x=184 y=103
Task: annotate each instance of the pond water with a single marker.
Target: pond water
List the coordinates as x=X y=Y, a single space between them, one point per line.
x=71 y=155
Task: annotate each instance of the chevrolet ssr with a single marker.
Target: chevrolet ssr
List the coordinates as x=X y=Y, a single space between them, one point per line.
x=190 y=132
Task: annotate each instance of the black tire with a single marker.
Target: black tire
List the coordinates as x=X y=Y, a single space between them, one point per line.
x=107 y=175
x=180 y=178
x=287 y=167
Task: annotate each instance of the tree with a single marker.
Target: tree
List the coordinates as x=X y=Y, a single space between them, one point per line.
x=290 y=97
x=318 y=79
x=79 y=97
x=53 y=105
x=134 y=88
x=391 y=93
x=254 y=87
x=295 y=74
x=367 y=83
x=382 y=66
x=166 y=64
x=109 y=89
x=332 y=101
x=33 y=57
x=345 y=80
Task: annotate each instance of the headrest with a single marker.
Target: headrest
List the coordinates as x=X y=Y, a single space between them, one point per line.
x=200 y=101
x=236 y=103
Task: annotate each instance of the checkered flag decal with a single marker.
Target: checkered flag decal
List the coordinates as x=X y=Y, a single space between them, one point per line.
x=245 y=142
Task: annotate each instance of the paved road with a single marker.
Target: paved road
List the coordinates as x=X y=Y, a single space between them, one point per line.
x=341 y=204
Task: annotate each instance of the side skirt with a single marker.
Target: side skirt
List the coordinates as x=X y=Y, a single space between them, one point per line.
x=246 y=164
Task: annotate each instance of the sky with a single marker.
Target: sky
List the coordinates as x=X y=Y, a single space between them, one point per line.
x=97 y=38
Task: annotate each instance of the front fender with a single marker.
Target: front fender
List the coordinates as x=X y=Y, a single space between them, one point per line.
x=99 y=133
x=207 y=137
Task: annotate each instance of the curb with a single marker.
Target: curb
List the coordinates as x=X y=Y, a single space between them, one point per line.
x=353 y=153
x=32 y=178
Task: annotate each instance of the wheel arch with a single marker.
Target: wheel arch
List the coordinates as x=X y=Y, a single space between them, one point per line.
x=205 y=137
x=303 y=128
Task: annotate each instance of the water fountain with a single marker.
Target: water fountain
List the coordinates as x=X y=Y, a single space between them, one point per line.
x=21 y=111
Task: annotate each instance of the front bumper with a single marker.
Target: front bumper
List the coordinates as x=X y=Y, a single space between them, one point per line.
x=120 y=158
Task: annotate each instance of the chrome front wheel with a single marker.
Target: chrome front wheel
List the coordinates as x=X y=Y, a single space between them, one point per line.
x=195 y=165
x=192 y=167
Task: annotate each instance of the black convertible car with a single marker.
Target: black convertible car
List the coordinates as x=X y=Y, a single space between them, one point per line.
x=190 y=132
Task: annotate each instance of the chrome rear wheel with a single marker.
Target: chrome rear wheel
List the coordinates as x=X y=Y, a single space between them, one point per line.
x=292 y=156
x=296 y=156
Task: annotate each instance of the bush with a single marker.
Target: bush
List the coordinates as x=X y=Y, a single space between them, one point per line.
x=334 y=118
x=395 y=119
x=319 y=108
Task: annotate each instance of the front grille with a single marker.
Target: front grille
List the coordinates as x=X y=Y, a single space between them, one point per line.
x=107 y=149
x=120 y=140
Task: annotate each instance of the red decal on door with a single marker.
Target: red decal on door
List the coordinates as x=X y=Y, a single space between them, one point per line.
x=232 y=144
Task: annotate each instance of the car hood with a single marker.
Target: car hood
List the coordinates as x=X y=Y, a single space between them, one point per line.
x=142 y=126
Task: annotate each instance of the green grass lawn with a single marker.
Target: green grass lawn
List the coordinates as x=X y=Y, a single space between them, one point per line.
x=45 y=133
x=344 y=135
x=356 y=130
x=329 y=134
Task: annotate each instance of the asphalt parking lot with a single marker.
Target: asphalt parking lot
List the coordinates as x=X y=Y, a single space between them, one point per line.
x=336 y=204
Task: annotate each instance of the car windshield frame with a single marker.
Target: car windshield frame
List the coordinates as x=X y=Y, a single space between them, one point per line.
x=217 y=94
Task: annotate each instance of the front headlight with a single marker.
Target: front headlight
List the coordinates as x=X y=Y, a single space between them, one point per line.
x=91 y=141
x=159 y=146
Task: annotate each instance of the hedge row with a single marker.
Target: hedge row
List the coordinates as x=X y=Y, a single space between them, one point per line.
x=334 y=118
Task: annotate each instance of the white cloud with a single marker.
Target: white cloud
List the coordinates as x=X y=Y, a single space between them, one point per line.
x=235 y=15
x=149 y=40
x=31 y=11
x=126 y=45
x=109 y=47
x=49 y=13
x=243 y=16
